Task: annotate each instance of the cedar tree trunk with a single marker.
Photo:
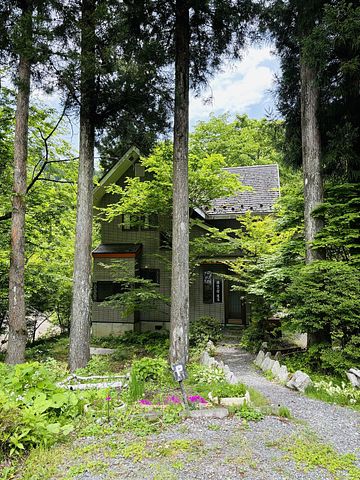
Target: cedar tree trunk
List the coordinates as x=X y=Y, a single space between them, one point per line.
x=179 y=320
x=81 y=301
x=312 y=172
x=17 y=314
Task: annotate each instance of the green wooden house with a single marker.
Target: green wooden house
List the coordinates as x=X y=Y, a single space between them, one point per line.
x=145 y=249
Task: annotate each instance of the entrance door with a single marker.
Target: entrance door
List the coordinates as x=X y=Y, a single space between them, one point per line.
x=235 y=307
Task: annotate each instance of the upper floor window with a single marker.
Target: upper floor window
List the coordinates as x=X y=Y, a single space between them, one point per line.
x=139 y=222
x=152 y=274
x=103 y=290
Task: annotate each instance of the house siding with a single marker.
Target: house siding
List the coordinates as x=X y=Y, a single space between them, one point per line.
x=107 y=321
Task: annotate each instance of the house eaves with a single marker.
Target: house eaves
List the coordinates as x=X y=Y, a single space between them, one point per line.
x=115 y=173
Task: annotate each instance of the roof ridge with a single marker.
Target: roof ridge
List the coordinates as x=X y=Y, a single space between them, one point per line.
x=252 y=166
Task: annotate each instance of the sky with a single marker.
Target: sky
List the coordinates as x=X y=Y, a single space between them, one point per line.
x=240 y=87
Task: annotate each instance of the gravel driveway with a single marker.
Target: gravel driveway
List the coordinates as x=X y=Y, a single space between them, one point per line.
x=336 y=425
x=231 y=449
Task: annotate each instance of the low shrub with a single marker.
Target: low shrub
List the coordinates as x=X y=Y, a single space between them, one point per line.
x=329 y=391
x=150 y=369
x=249 y=413
x=204 y=329
x=34 y=411
x=223 y=389
x=206 y=375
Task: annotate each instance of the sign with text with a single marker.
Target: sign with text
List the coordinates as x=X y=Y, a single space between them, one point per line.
x=179 y=372
x=218 y=291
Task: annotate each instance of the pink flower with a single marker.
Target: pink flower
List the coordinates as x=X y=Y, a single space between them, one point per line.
x=145 y=401
x=108 y=398
x=197 y=399
x=173 y=399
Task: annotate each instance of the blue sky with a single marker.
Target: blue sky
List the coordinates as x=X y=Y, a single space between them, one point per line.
x=243 y=86
x=240 y=87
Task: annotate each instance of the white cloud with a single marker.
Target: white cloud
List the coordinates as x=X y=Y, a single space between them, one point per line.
x=238 y=87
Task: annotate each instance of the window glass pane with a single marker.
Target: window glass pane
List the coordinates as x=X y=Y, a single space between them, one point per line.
x=104 y=290
x=152 y=274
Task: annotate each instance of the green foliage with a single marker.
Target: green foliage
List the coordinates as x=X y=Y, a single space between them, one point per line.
x=50 y=212
x=242 y=141
x=206 y=375
x=249 y=413
x=323 y=295
x=34 y=410
x=136 y=387
x=224 y=389
x=207 y=180
x=284 y=412
x=335 y=392
x=309 y=453
x=341 y=232
x=150 y=369
x=137 y=293
x=204 y=329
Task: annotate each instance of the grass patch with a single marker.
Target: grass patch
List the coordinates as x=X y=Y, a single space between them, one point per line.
x=309 y=453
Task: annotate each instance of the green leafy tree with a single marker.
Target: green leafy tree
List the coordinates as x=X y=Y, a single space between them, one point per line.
x=241 y=141
x=50 y=215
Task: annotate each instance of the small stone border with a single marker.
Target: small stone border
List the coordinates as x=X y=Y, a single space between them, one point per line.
x=297 y=381
x=208 y=360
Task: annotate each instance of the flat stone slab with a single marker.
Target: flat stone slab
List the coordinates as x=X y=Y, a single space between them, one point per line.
x=101 y=351
x=209 y=413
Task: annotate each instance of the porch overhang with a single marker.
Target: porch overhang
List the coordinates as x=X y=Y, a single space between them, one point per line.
x=117 y=250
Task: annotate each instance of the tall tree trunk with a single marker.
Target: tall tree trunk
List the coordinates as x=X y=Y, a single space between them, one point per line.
x=17 y=312
x=312 y=172
x=179 y=320
x=311 y=158
x=81 y=301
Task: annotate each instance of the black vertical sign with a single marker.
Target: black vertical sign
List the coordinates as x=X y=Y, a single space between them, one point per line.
x=218 y=291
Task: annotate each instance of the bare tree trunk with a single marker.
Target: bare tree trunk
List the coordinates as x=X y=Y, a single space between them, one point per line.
x=311 y=154
x=17 y=314
x=81 y=301
x=179 y=320
x=312 y=173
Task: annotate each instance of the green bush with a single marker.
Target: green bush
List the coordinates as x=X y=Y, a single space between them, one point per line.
x=206 y=375
x=324 y=359
x=224 y=389
x=204 y=329
x=150 y=369
x=34 y=411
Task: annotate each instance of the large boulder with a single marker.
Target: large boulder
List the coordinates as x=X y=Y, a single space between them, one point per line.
x=299 y=381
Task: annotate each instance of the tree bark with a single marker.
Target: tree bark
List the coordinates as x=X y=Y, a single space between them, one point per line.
x=179 y=318
x=311 y=157
x=17 y=311
x=81 y=301
x=312 y=173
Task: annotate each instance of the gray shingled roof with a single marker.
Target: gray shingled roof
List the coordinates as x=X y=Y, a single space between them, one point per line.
x=265 y=183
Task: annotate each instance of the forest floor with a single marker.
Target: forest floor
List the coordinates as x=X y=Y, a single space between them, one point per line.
x=319 y=441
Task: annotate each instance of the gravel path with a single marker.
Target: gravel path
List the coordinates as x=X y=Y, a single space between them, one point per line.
x=227 y=449
x=337 y=425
